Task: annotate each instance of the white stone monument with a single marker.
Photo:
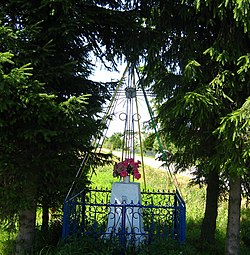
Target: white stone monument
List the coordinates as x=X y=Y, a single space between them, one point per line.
x=126 y=214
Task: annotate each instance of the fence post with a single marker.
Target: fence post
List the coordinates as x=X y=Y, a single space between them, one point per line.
x=175 y=218
x=65 y=230
x=182 y=226
x=123 y=227
x=83 y=198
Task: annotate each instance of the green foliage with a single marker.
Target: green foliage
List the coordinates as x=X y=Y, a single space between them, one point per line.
x=167 y=247
x=234 y=134
x=199 y=73
x=244 y=64
x=6 y=57
x=238 y=8
x=206 y=81
x=41 y=137
x=85 y=246
x=7 y=242
x=114 y=141
x=191 y=70
x=148 y=141
x=48 y=108
x=245 y=228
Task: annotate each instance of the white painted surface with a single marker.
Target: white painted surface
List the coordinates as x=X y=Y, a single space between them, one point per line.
x=126 y=193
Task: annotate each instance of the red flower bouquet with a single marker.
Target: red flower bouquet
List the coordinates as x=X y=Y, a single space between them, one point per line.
x=126 y=168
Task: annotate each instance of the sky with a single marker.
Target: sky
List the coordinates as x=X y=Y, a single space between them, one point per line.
x=116 y=125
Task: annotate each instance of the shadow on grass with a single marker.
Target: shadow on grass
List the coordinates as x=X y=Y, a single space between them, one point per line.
x=203 y=248
x=159 y=246
x=218 y=248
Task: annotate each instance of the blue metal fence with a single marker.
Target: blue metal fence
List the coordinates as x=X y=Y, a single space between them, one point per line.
x=88 y=212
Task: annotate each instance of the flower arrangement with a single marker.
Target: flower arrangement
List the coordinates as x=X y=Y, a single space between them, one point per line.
x=126 y=168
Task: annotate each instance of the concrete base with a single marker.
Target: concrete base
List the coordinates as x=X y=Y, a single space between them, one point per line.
x=125 y=217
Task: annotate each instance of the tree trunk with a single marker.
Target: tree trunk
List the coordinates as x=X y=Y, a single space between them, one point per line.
x=208 y=226
x=27 y=217
x=45 y=218
x=233 y=224
x=24 y=242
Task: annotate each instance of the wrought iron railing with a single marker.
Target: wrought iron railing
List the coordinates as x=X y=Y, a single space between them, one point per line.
x=163 y=214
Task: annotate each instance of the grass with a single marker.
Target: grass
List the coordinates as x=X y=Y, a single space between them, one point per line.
x=155 y=179
x=7 y=241
x=194 y=197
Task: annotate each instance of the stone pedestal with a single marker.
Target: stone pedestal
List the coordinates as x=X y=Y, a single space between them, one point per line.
x=125 y=215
